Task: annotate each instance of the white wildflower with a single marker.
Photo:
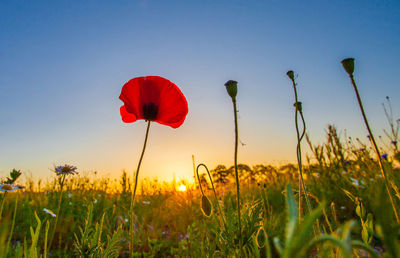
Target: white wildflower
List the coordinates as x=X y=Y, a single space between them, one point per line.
x=66 y=170
x=50 y=212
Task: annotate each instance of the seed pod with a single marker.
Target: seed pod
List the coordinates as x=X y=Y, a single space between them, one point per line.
x=290 y=74
x=231 y=88
x=206 y=206
x=348 y=65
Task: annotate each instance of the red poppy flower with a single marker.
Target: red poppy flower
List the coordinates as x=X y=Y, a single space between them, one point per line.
x=153 y=98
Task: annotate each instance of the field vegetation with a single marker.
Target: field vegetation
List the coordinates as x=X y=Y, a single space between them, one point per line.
x=340 y=200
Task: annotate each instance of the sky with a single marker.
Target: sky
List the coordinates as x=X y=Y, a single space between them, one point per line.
x=63 y=64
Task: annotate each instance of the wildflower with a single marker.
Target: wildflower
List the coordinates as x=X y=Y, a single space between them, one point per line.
x=95 y=201
x=153 y=98
x=126 y=220
x=384 y=155
x=69 y=195
x=66 y=170
x=355 y=181
x=10 y=187
x=183 y=237
x=394 y=143
x=146 y=202
x=50 y=212
x=347 y=161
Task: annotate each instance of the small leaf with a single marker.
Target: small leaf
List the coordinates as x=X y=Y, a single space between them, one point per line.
x=370 y=223
x=360 y=210
x=206 y=206
x=350 y=195
x=261 y=237
x=291 y=216
x=365 y=236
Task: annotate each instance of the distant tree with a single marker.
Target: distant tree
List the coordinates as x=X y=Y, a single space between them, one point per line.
x=289 y=171
x=220 y=174
x=245 y=172
x=267 y=173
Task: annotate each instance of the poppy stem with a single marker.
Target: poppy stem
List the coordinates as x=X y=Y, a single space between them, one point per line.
x=298 y=110
x=375 y=147
x=215 y=194
x=135 y=186
x=236 y=170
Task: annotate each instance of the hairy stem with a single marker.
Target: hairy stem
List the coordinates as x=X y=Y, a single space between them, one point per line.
x=384 y=174
x=236 y=170
x=135 y=187
x=215 y=194
x=299 y=138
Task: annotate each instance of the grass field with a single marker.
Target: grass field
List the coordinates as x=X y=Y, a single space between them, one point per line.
x=352 y=214
x=341 y=201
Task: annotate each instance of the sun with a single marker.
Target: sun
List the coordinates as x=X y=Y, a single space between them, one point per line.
x=182 y=188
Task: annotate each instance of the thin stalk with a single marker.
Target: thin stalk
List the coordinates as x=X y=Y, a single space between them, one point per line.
x=215 y=194
x=384 y=174
x=236 y=170
x=12 y=226
x=58 y=211
x=45 y=251
x=299 y=138
x=135 y=187
x=2 y=204
x=194 y=170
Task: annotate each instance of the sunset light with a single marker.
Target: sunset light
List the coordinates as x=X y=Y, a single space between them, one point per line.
x=201 y=128
x=182 y=188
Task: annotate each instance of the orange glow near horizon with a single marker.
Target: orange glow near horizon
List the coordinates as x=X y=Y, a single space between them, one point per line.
x=182 y=188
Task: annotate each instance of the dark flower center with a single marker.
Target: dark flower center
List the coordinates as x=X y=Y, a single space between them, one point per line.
x=150 y=111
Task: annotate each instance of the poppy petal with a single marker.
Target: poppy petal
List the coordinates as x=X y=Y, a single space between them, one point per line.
x=173 y=106
x=139 y=92
x=126 y=116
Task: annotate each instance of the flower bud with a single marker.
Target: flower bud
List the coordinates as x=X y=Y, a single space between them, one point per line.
x=348 y=65
x=231 y=88
x=290 y=74
x=261 y=237
x=206 y=206
x=298 y=106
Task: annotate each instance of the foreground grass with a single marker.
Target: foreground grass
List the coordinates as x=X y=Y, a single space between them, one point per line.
x=346 y=192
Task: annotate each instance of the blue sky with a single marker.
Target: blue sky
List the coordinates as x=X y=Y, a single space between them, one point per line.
x=63 y=63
